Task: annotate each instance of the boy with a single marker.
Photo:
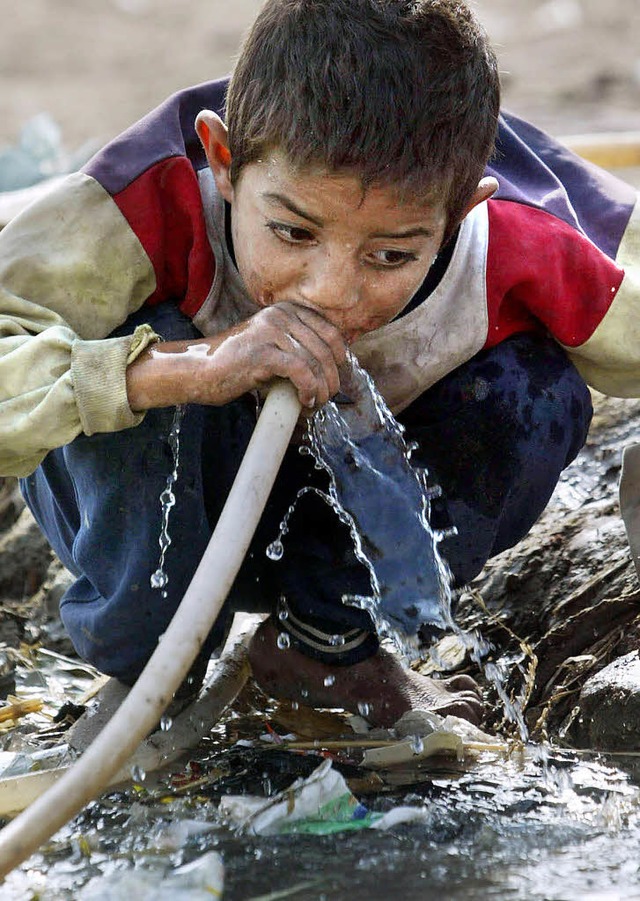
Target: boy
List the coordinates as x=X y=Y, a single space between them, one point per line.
x=347 y=205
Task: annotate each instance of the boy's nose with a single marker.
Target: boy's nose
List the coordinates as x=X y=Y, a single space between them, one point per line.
x=331 y=283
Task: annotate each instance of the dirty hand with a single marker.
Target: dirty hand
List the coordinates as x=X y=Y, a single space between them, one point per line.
x=285 y=340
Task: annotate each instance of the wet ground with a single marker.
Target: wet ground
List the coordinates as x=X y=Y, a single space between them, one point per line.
x=544 y=822
x=540 y=826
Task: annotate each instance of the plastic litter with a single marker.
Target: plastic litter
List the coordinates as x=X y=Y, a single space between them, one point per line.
x=17 y=763
x=200 y=880
x=321 y=804
x=425 y=734
x=39 y=154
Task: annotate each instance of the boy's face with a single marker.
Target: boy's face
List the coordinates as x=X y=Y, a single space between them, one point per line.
x=316 y=239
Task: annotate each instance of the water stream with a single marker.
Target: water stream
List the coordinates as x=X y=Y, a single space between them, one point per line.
x=547 y=826
x=160 y=578
x=385 y=502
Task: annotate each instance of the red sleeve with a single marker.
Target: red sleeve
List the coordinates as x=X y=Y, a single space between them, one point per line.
x=164 y=208
x=543 y=274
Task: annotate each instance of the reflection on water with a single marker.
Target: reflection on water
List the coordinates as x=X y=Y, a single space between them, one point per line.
x=542 y=824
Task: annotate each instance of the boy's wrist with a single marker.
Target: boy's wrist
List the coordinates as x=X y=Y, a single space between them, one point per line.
x=161 y=376
x=181 y=372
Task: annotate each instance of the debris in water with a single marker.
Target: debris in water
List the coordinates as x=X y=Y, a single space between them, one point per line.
x=16 y=708
x=200 y=880
x=322 y=804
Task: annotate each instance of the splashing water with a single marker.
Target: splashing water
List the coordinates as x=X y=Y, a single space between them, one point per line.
x=275 y=551
x=283 y=641
x=385 y=502
x=159 y=578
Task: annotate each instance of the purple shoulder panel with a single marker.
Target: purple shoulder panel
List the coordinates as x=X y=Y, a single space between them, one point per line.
x=535 y=169
x=165 y=132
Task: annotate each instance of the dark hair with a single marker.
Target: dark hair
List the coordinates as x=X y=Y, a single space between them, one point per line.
x=401 y=92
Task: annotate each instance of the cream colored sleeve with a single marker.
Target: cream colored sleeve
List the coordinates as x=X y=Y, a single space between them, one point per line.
x=610 y=359
x=71 y=271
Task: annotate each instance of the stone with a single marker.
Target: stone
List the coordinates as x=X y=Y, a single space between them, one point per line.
x=609 y=718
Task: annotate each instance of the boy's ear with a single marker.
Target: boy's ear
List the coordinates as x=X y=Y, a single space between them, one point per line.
x=487 y=187
x=213 y=135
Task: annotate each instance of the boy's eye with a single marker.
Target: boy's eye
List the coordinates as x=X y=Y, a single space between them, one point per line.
x=392 y=259
x=292 y=234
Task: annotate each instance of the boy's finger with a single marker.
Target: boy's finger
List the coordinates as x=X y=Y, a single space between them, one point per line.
x=319 y=351
x=329 y=333
x=306 y=373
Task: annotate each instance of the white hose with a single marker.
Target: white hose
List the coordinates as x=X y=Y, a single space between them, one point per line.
x=179 y=646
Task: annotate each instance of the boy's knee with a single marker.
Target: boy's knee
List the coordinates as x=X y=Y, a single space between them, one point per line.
x=496 y=434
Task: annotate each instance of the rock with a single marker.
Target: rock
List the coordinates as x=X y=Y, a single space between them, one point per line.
x=11 y=502
x=609 y=718
x=25 y=556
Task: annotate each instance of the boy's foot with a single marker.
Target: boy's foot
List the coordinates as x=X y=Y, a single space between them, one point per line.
x=380 y=688
x=109 y=698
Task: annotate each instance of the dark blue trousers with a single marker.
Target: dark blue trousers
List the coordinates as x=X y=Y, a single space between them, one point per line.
x=495 y=434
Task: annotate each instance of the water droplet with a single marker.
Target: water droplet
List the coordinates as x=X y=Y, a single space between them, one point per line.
x=275 y=550
x=336 y=641
x=165 y=722
x=283 y=641
x=137 y=773
x=283 y=614
x=294 y=705
x=364 y=709
x=417 y=745
x=329 y=680
x=304 y=693
x=159 y=579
